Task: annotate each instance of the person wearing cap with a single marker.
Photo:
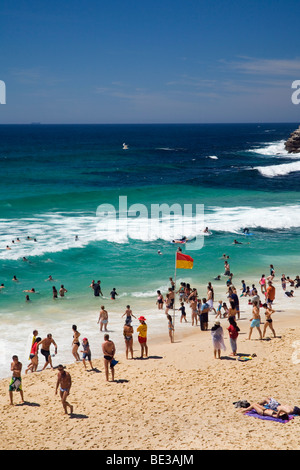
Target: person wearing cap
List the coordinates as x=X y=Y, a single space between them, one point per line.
x=142 y=337
x=86 y=353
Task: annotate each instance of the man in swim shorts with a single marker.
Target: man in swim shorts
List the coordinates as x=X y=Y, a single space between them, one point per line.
x=45 y=350
x=255 y=321
x=64 y=383
x=16 y=380
x=109 y=350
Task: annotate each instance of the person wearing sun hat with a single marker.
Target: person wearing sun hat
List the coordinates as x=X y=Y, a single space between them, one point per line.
x=142 y=337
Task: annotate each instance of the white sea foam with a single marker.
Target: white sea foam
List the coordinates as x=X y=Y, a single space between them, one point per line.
x=275 y=149
x=56 y=232
x=213 y=157
x=278 y=170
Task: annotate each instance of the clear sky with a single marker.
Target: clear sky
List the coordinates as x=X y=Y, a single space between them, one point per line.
x=141 y=61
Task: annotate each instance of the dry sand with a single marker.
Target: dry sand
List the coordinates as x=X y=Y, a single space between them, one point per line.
x=180 y=398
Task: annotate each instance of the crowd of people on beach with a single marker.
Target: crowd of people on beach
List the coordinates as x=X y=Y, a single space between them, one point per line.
x=177 y=299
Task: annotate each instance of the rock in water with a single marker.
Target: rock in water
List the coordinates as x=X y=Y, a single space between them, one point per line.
x=292 y=145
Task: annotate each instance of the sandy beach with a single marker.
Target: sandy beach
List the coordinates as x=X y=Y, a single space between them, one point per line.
x=180 y=398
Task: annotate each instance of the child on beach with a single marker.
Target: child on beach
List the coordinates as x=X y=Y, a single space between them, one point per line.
x=86 y=353
x=183 y=312
x=219 y=313
x=217 y=339
x=233 y=330
x=129 y=314
x=262 y=283
x=226 y=311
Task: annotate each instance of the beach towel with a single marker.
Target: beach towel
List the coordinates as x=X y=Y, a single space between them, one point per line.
x=254 y=414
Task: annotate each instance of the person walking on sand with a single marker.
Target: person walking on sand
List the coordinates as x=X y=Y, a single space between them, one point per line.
x=255 y=321
x=16 y=380
x=170 y=328
x=103 y=318
x=34 y=358
x=45 y=350
x=75 y=343
x=217 y=339
x=128 y=337
x=142 y=337
x=269 y=321
x=109 y=350
x=64 y=382
x=183 y=312
x=86 y=353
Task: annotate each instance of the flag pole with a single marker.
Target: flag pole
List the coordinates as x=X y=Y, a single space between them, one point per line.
x=174 y=295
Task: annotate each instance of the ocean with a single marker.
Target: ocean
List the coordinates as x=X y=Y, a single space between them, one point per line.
x=62 y=182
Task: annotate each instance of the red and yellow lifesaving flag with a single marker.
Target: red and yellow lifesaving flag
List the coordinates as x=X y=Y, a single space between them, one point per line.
x=184 y=261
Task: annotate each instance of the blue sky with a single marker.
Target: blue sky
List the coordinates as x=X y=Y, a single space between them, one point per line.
x=164 y=61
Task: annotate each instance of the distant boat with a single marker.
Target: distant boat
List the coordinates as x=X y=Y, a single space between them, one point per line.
x=125 y=146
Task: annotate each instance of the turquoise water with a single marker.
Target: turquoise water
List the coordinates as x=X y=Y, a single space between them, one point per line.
x=54 y=178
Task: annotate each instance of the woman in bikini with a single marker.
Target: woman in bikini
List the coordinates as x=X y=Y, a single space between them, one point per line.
x=269 y=321
x=128 y=332
x=75 y=343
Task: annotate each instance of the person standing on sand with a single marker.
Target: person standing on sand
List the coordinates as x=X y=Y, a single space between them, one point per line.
x=45 y=350
x=170 y=328
x=128 y=337
x=34 y=358
x=233 y=331
x=204 y=309
x=142 y=337
x=270 y=294
x=64 y=382
x=193 y=305
x=217 y=339
x=103 y=318
x=255 y=321
x=16 y=380
x=109 y=350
